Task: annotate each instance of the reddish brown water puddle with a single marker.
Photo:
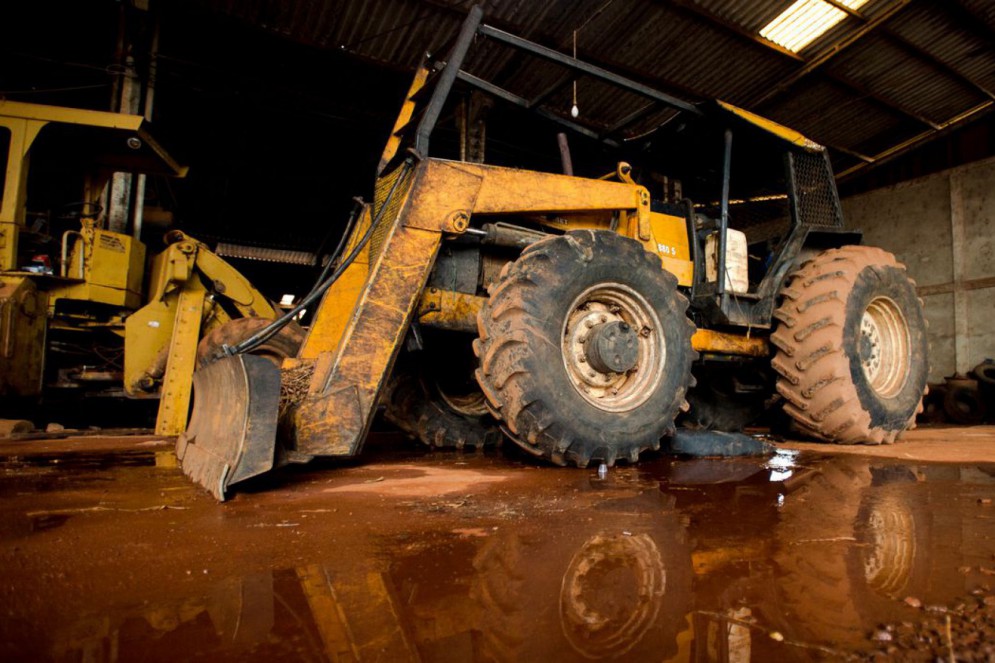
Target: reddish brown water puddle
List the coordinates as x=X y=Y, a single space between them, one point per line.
x=446 y=557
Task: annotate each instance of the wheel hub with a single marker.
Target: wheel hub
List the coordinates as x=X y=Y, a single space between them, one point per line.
x=884 y=346
x=611 y=347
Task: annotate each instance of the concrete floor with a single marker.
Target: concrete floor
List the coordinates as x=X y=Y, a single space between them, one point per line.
x=107 y=553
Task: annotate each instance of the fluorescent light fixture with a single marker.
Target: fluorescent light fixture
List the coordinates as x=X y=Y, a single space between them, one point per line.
x=287 y=300
x=805 y=21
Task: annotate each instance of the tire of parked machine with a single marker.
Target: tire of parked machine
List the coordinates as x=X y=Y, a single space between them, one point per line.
x=851 y=347
x=963 y=403
x=933 y=411
x=985 y=374
x=417 y=405
x=284 y=344
x=585 y=349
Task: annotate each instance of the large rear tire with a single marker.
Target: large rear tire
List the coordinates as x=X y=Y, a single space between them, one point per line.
x=585 y=349
x=851 y=347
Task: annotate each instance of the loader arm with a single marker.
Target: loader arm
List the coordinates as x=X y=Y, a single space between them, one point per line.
x=349 y=364
x=161 y=337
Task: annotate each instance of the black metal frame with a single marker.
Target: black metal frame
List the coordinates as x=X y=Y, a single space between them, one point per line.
x=452 y=71
x=711 y=300
x=756 y=309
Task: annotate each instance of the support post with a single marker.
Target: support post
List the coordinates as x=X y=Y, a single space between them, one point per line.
x=724 y=219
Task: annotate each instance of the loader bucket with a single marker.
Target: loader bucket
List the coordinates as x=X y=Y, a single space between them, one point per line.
x=232 y=432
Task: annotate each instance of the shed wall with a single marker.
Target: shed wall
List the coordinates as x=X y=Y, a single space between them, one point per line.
x=943 y=228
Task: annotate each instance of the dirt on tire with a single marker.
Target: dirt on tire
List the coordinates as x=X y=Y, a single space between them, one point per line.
x=522 y=369
x=821 y=351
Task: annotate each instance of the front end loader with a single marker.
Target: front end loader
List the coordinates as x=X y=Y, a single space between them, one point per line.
x=570 y=315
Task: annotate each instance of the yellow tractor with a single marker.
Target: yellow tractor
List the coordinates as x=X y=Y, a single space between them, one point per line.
x=77 y=313
x=589 y=307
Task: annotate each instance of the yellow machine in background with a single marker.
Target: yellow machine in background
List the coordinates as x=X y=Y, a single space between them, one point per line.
x=77 y=312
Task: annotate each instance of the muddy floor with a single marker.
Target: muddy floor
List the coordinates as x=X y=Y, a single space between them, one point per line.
x=107 y=553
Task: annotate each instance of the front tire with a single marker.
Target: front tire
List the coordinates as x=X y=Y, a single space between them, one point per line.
x=851 y=347
x=585 y=349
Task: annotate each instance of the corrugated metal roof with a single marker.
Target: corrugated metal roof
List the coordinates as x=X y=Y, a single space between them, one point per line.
x=873 y=81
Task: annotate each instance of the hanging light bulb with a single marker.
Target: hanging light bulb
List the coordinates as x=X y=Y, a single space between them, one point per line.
x=574 y=110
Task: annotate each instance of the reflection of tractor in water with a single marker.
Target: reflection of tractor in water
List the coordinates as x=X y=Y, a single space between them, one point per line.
x=825 y=552
x=700 y=563
x=617 y=587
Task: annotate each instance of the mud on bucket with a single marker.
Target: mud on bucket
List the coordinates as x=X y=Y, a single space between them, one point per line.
x=231 y=436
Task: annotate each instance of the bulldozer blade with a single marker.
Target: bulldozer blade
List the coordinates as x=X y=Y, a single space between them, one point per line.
x=232 y=432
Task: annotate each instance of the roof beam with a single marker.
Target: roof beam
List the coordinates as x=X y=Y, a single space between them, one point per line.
x=968 y=20
x=925 y=56
x=914 y=142
x=829 y=53
x=756 y=39
x=696 y=11
x=522 y=102
x=587 y=68
x=919 y=52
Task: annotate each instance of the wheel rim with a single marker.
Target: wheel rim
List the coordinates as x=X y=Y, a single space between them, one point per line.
x=470 y=403
x=884 y=347
x=611 y=594
x=890 y=560
x=613 y=303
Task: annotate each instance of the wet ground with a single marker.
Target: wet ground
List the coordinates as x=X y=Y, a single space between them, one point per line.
x=107 y=553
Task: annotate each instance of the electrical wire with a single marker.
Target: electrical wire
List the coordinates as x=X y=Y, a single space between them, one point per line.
x=54 y=89
x=270 y=330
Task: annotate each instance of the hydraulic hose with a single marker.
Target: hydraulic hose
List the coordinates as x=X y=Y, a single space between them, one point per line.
x=336 y=254
x=322 y=286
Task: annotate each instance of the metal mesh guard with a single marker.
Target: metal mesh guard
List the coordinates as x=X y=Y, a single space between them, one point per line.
x=817 y=202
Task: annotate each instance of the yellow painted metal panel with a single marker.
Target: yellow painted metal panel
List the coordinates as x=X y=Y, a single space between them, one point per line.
x=670 y=241
x=91 y=118
x=334 y=418
x=348 y=378
x=510 y=190
x=147 y=333
x=22 y=134
x=174 y=402
x=339 y=301
x=779 y=130
x=407 y=110
x=115 y=261
x=22 y=336
x=449 y=310
x=230 y=283
x=707 y=340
